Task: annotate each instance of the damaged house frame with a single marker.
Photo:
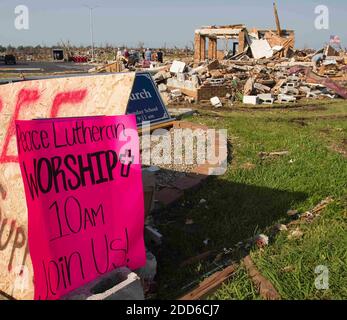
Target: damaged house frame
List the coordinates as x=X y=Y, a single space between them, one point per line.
x=254 y=43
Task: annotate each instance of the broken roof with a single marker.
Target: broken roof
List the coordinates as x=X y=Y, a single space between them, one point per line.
x=229 y=30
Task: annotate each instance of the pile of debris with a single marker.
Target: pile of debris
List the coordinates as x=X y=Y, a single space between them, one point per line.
x=261 y=67
x=255 y=81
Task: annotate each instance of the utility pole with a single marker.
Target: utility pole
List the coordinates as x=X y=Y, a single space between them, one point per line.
x=91 y=23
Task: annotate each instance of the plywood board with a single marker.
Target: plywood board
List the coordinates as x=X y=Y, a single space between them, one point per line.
x=56 y=97
x=261 y=49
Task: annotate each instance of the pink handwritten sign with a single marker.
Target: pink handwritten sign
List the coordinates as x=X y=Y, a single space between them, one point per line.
x=83 y=186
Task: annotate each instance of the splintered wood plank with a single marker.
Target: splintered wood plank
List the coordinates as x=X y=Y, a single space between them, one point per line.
x=264 y=286
x=210 y=284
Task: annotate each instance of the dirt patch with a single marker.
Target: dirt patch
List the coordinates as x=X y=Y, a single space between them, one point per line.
x=331 y=117
x=340 y=148
x=300 y=121
x=247 y=166
x=206 y=106
x=304 y=121
x=325 y=131
x=289 y=107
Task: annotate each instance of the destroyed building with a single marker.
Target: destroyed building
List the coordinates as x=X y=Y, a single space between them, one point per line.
x=256 y=66
x=254 y=43
x=259 y=67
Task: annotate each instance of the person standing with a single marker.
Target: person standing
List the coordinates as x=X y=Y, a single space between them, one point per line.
x=148 y=55
x=126 y=53
x=160 y=56
x=119 y=54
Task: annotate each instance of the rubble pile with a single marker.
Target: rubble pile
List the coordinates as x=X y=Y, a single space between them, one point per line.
x=278 y=79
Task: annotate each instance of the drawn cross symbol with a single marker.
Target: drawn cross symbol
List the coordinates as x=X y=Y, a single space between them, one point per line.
x=126 y=158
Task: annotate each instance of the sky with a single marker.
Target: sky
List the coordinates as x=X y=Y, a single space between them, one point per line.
x=161 y=22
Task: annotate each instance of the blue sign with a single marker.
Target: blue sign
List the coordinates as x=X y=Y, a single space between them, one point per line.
x=145 y=101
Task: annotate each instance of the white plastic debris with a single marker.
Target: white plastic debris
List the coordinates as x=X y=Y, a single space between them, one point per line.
x=262 y=240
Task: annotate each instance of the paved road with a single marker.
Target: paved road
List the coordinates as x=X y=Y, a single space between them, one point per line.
x=43 y=67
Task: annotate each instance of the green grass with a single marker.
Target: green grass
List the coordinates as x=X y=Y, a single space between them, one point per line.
x=255 y=194
x=238 y=288
x=324 y=243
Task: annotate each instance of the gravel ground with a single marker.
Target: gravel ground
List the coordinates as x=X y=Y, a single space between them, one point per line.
x=170 y=171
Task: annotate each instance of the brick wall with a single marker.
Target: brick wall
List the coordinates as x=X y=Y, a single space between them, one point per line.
x=199 y=48
x=207 y=91
x=197 y=56
x=212 y=48
x=242 y=42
